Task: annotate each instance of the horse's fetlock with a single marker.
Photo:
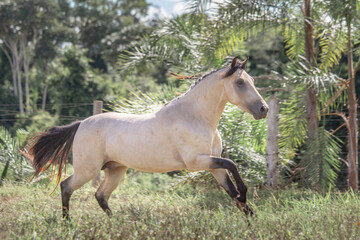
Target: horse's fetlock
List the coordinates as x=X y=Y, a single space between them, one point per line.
x=241 y=198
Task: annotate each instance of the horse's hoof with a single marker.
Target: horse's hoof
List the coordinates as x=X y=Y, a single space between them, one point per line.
x=66 y=217
x=245 y=208
x=248 y=211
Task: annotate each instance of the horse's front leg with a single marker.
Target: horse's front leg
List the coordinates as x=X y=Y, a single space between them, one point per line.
x=218 y=166
x=223 y=178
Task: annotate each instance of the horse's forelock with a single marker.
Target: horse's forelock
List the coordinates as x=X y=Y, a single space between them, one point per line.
x=235 y=65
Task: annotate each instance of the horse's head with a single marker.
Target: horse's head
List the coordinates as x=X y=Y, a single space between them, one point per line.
x=240 y=90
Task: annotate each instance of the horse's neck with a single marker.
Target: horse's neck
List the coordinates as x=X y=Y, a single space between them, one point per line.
x=207 y=100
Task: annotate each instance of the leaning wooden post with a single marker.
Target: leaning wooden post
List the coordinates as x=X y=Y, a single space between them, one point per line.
x=272 y=141
x=97 y=109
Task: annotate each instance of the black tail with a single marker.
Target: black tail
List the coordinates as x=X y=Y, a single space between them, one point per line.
x=52 y=147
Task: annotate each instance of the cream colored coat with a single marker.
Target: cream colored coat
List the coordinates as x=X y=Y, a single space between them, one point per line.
x=182 y=135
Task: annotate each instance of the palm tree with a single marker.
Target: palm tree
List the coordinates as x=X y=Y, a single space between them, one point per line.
x=348 y=11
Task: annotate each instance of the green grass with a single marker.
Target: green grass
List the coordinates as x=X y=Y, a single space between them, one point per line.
x=148 y=206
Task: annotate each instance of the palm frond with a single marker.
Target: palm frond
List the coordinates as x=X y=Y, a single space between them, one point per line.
x=141 y=103
x=293 y=125
x=294 y=38
x=240 y=129
x=332 y=43
x=299 y=72
x=322 y=171
x=11 y=159
x=177 y=43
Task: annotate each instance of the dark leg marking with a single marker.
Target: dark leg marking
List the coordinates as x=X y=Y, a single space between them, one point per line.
x=103 y=203
x=65 y=197
x=233 y=192
x=231 y=167
x=240 y=199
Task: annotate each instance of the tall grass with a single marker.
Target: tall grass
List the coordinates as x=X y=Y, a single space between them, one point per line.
x=148 y=206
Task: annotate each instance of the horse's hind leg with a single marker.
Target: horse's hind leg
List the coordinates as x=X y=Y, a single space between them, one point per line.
x=69 y=185
x=111 y=181
x=65 y=196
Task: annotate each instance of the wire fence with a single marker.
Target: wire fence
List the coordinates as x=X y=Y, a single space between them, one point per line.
x=9 y=112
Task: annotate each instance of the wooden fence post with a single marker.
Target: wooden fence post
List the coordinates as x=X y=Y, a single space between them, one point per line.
x=272 y=150
x=97 y=109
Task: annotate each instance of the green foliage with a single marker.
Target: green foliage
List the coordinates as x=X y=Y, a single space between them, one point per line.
x=13 y=164
x=244 y=141
x=239 y=128
x=106 y=28
x=322 y=171
x=332 y=44
x=178 y=43
x=141 y=103
x=38 y=121
x=236 y=21
x=80 y=85
x=24 y=17
x=292 y=126
x=294 y=38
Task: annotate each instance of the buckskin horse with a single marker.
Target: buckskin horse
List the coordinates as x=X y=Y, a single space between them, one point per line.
x=181 y=135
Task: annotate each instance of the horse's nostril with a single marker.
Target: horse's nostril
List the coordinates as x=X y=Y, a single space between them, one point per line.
x=262 y=109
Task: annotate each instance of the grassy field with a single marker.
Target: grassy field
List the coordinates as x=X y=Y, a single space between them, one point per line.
x=148 y=206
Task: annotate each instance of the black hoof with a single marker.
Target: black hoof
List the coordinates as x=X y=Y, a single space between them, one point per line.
x=248 y=211
x=244 y=208
x=108 y=212
x=66 y=217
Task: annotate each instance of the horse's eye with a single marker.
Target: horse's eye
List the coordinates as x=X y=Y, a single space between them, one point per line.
x=240 y=81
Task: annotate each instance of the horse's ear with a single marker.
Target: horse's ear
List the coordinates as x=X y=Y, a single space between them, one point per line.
x=243 y=64
x=233 y=67
x=233 y=62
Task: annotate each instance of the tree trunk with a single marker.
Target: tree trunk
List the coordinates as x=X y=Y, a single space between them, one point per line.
x=311 y=100
x=17 y=61
x=25 y=64
x=352 y=156
x=272 y=150
x=13 y=71
x=18 y=73
x=43 y=104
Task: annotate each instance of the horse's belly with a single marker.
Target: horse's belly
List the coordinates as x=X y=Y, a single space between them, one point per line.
x=146 y=153
x=146 y=162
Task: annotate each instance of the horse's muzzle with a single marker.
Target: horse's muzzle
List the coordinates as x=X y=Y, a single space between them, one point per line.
x=261 y=111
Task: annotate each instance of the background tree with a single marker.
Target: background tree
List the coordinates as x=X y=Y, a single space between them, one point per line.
x=23 y=24
x=348 y=12
x=106 y=28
